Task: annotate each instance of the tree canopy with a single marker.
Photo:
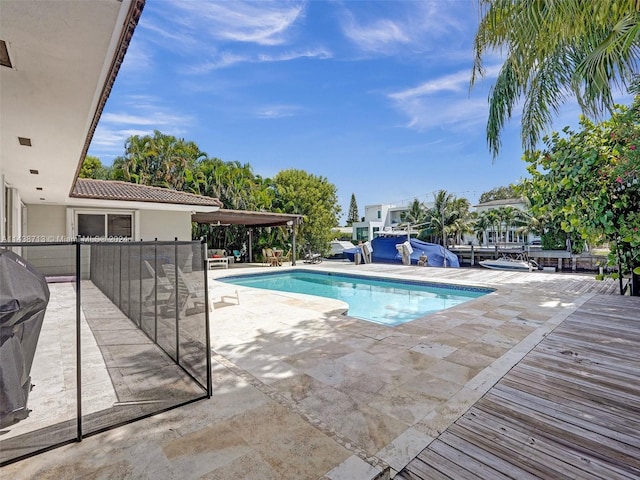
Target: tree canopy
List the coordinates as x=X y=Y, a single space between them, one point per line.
x=589 y=181
x=498 y=193
x=166 y=161
x=297 y=191
x=92 y=167
x=555 y=50
x=353 y=216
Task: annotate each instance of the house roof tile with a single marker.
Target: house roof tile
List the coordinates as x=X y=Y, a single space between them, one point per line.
x=132 y=192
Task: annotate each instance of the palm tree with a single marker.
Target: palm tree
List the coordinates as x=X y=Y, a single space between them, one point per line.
x=529 y=223
x=481 y=223
x=415 y=215
x=494 y=223
x=555 y=50
x=506 y=216
x=449 y=216
x=460 y=221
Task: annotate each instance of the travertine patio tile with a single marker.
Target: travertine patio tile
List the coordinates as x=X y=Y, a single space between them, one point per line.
x=365 y=426
x=448 y=338
x=290 y=445
x=481 y=347
x=432 y=386
x=247 y=465
x=470 y=331
x=434 y=349
x=452 y=372
x=301 y=391
x=415 y=360
x=408 y=406
x=404 y=448
x=310 y=358
x=352 y=468
x=468 y=357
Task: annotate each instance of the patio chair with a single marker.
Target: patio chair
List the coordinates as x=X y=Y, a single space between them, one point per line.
x=160 y=284
x=312 y=258
x=286 y=258
x=237 y=256
x=187 y=292
x=271 y=258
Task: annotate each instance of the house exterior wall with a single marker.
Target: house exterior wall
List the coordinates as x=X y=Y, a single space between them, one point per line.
x=47 y=223
x=165 y=225
x=54 y=223
x=2 y=212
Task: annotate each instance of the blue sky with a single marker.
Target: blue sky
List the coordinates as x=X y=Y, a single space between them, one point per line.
x=372 y=95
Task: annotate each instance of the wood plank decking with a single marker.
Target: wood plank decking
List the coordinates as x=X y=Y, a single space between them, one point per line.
x=569 y=409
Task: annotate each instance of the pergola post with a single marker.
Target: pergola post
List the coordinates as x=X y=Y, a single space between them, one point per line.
x=293 y=244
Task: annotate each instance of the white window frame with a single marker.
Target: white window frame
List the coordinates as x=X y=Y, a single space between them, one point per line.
x=72 y=221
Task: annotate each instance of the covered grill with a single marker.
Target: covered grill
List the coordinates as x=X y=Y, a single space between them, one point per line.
x=24 y=296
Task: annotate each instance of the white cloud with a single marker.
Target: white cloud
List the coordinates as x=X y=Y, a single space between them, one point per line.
x=320 y=53
x=136 y=115
x=409 y=27
x=454 y=82
x=156 y=118
x=264 y=23
x=453 y=113
x=170 y=34
x=226 y=59
x=277 y=111
x=443 y=101
x=379 y=36
x=138 y=58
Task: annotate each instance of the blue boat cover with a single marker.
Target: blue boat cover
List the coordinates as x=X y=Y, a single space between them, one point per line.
x=384 y=251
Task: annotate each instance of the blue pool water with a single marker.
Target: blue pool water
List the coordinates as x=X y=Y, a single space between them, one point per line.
x=389 y=302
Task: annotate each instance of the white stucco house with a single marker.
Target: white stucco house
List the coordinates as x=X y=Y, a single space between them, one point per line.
x=379 y=217
x=510 y=234
x=59 y=62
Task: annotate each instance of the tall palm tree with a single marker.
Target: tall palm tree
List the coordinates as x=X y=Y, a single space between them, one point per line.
x=555 y=50
x=460 y=221
x=449 y=216
x=415 y=215
x=494 y=223
x=507 y=216
x=481 y=223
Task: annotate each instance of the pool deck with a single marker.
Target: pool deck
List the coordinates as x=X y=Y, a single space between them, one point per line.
x=303 y=392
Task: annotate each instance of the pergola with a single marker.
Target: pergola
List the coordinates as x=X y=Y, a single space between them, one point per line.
x=252 y=219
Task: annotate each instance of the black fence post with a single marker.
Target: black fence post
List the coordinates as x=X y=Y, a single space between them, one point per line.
x=155 y=291
x=78 y=345
x=177 y=300
x=140 y=287
x=207 y=326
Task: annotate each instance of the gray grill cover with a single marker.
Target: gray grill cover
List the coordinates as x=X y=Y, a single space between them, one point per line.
x=24 y=296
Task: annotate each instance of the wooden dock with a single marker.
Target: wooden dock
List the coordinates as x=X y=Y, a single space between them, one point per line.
x=569 y=409
x=561 y=260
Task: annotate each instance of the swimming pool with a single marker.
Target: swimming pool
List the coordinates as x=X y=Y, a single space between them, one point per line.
x=388 y=302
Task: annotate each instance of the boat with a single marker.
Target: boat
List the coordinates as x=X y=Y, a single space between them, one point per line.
x=338 y=247
x=385 y=251
x=520 y=263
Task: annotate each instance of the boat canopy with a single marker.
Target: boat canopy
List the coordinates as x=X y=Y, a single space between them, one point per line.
x=385 y=251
